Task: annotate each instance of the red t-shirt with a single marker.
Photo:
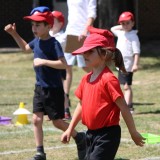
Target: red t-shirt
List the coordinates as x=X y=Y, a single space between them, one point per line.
x=98 y=100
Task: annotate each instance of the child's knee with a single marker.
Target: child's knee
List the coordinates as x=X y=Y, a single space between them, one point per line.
x=36 y=120
x=127 y=87
x=58 y=123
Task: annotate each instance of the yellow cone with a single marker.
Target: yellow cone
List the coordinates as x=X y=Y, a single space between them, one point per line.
x=22 y=120
x=21 y=113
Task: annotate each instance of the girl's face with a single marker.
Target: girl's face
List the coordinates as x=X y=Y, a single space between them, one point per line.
x=40 y=30
x=93 y=59
x=127 y=25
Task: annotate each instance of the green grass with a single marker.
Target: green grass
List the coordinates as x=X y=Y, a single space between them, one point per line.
x=17 y=84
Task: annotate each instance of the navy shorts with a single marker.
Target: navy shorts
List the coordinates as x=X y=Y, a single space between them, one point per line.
x=102 y=144
x=50 y=101
x=125 y=78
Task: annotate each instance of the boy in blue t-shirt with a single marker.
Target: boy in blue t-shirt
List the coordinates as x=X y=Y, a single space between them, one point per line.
x=48 y=94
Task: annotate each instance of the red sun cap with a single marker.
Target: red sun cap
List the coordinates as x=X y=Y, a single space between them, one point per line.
x=58 y=15
x=97 y=38
x=38 y=16
x=126 y=16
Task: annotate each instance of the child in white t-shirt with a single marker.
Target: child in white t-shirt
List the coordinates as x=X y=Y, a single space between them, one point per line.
x=129 y=45
x=59 y=34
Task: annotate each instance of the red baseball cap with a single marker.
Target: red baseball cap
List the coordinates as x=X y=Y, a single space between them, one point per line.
x=58 y=15
x=39 y=16
x=97 y=37
x=125 y=16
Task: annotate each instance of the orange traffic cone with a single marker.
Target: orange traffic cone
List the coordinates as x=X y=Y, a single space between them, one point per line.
x=21 y=113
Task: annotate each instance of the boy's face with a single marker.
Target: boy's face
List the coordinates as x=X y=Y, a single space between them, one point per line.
x=40 y=29
x=127 y=25
x=57 y=26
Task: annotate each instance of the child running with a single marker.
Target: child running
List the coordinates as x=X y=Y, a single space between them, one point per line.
x=101 y=99
x=129 y=45
x=48 y=94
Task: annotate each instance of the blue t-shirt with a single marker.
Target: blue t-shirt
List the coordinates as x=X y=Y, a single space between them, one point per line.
x=51 y=50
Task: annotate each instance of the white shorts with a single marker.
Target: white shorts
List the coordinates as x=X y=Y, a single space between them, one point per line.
x=71 y=60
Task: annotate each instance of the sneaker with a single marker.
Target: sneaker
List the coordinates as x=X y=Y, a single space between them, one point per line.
x=131 y=110
x=81 y=145
x=67 y=114
x=39 y=156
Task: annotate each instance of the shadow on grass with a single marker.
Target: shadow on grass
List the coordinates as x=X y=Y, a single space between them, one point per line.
x=150 y=112
x=141 y=104
x=150 y=66
x=9 y=104
x=121 y=159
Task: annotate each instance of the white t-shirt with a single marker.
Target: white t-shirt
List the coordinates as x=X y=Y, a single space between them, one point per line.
x=60 y=37
x=128 y=43
x=78 y=13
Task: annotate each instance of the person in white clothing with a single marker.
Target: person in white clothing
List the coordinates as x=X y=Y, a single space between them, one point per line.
x=57 y=32
x=129 y=45
x=81 y=14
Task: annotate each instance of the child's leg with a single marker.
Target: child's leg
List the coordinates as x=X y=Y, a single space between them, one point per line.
x=37 y=127
x=67 y=85
x=38 y=134
x=128 y=94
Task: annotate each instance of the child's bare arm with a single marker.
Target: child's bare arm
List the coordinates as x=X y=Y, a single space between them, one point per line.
x=65 y=138
x=135 y=64
x=11 y=29
x=114 y=28
x=137 y=138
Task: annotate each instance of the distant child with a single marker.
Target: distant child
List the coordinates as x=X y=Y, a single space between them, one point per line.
x=48 y=94
x=57 y=32
x=129 y=45
x=101 y=99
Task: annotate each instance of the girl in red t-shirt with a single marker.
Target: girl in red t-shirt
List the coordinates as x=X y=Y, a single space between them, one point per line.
x=101 y=99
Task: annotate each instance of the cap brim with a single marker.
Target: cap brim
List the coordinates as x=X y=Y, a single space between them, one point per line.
x=82 y=50
x=124 y=19
x=34 y=18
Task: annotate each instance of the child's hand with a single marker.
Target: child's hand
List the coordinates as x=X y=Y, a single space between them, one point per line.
x=11 y=29
x=38 y=62
x=138 y=139
x=134 y=68
x=65 y=138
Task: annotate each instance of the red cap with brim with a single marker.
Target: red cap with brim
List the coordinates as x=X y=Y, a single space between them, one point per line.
x=97 y=37
x=38 y=16
x=125 y=16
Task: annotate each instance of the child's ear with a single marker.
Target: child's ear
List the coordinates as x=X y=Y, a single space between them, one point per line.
x=108 y=55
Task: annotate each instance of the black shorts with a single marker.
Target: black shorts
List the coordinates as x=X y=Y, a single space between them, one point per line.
x=102 y=144
x=50 y=101
x=125 y=78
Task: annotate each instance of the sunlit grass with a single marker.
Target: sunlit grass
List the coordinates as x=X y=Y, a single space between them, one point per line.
x=17 y=84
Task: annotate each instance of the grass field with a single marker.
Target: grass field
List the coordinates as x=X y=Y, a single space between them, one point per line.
x=17 y=84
